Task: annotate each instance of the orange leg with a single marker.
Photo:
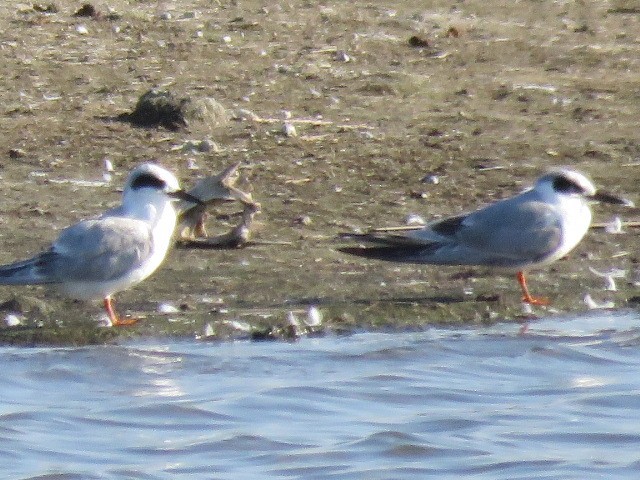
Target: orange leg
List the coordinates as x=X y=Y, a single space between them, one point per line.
x=526 y=296
x=116 y=321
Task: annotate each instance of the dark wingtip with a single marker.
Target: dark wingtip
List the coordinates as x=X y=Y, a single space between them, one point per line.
x=388 y=253
x=357 y=251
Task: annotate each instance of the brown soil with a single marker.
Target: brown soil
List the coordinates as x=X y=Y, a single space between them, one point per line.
x=484 y=94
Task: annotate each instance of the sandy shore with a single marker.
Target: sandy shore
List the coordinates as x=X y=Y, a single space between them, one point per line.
x=378 y=96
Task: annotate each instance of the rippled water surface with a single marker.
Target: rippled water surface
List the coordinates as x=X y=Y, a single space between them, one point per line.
x=559 y=401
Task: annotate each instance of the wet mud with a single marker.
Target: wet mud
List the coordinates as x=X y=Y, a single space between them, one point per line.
x=343 y=116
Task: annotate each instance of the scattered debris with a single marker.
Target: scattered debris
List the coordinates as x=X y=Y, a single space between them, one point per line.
x=51 y=8
x=609 y=277
x=158 y=108
x=342 y=56
x=103 y=321
x=199 y=146
x=13 y=319
x=418 y=42
x=15 y=153
x=108 y=166
x=244 y=114
x=167 y=308
x=414 y=219
x=215 y=190
x=293 y=328
x=311 y=323
x=208 y=331
x=304 y=220
x=431 y=178
x=614 y=226
x=289 y=130
x=593 y=305
x=314 y=317
x=87 y=10
x=107 y=173
x=453 y=32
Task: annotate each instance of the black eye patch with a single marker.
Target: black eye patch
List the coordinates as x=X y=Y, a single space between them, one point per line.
x=147 y=180
x=563 y=184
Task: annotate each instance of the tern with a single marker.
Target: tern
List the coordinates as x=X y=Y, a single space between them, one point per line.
x=530 y=230
x=96 y=258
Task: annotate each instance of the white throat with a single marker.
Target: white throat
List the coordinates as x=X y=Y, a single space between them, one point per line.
x=575 y=216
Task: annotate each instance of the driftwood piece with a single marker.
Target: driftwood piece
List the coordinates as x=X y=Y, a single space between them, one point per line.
x=215 y=190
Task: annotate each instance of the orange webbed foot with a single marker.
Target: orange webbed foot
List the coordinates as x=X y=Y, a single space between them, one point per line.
x=116 y=321
x=526 y=296
x=535 y=300
x=123 y=322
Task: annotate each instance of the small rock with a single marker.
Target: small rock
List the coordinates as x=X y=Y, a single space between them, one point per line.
x=158 y=108
x=51 y=8
x=314 y=317
x=208 y=331
x=108 y=166
x=302 y=220
x=162 y=108
x=192 y=165
x=431 y=179
x=243 y=114
x=342 y=56
x=238 y=325
x=86 y=10
x=104 y=321
x=15 y=153
x=418 y=42
x=168 y=308
x=12 y=320
x=289 y=130
x=614 y=226
x=292 y=320
x=527 y=309
x=593 y=305
x=414 y=219
x=453 y=32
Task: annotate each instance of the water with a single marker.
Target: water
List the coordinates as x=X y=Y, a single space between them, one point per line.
x=560 y=401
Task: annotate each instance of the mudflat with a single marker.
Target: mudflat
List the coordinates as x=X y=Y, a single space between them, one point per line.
x=343 y=116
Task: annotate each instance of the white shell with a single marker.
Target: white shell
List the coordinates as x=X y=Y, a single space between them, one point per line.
x=13 y=319
x=314 y=317
x=289 y=130
x=168 y=308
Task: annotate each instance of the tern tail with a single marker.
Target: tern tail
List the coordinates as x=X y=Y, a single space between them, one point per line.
x=399 y=253
x=26 y=272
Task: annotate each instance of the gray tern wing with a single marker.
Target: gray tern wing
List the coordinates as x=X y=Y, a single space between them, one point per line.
x=92 y=250
x=509 y=233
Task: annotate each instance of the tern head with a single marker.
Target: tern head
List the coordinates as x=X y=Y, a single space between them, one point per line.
x=569 y=183
x=152 y=179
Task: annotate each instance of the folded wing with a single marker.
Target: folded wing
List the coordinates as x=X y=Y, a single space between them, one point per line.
x=85 y=251
x=511 y=233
